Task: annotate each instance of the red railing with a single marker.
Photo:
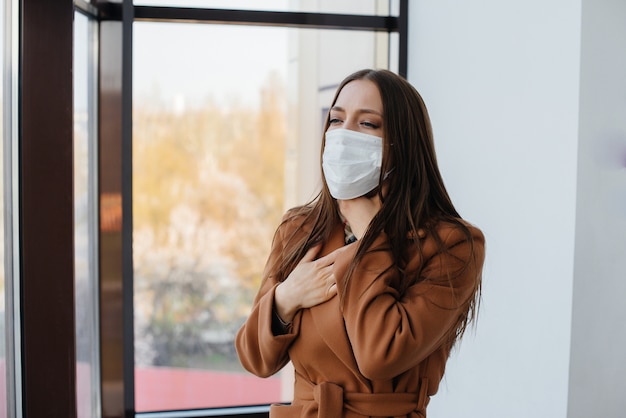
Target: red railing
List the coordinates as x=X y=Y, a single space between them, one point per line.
x=165 y=388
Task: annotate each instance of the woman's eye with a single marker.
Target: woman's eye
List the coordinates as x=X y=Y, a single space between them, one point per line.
x=334 y=121
x=370 y=125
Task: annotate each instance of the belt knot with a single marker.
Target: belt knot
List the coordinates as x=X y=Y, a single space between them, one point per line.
x=329 y=398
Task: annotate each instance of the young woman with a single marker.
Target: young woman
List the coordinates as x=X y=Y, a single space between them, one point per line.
x=368 y=287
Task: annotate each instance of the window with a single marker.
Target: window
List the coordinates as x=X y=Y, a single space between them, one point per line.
x=226 y=137
x=250 y=142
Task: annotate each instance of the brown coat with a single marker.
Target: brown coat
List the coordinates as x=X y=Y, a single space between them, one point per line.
x=377 y=353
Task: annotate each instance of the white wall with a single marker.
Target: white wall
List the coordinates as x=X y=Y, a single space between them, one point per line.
x=501 y=81
x=598 y=354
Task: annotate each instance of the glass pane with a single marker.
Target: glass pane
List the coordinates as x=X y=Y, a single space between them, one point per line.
x=358 y=7
x=224 y=141
x=85 y=222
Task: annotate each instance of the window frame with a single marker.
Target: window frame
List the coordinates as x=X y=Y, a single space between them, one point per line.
x=10 y=125
x=91 y=318
x=43 y=377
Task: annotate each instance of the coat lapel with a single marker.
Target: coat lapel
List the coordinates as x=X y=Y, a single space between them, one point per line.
x=329 y=321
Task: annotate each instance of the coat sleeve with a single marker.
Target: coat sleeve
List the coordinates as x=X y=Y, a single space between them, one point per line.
x=391 y=332
x=260 y=351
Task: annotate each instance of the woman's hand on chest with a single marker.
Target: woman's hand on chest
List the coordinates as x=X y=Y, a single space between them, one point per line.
x=312 y=282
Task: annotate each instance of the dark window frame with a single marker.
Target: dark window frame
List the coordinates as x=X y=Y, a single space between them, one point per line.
x=45 y=276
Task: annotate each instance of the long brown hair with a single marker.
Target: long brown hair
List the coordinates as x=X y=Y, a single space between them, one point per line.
x=416 y=198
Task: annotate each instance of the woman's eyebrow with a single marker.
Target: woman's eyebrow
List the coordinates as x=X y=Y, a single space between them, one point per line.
x=375 y=112
x=341 y=109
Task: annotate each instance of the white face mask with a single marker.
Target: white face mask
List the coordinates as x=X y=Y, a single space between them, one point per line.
x=351 y=163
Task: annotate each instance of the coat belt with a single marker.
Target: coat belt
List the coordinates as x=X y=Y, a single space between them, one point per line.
x=331 y=399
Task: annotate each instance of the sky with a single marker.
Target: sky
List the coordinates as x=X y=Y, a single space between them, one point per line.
x=184 y=64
